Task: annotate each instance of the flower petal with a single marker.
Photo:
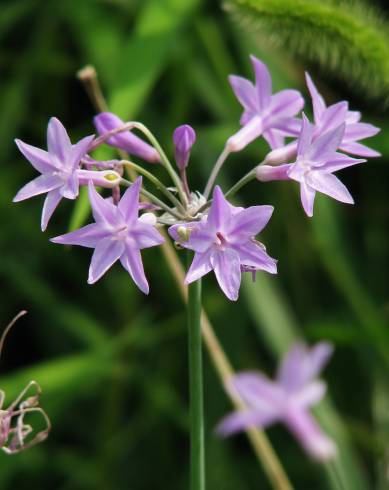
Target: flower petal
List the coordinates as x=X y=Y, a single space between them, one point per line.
x=284 y=104
x=257 y=392
x=318 y=103
x=311 y=437
x=274 y=137
x=104 y=212
x=263 y=83
x=311 y=394
x=58 y=142
x=87 y=236
x=200 y=266
x=71 y=187
x=244 y=91
x=79 y=150
x=38 y=158
x=325 y=145
x=307 y=195
x=333 y=117
x=220 y=211
x=146 y=235
x=305 y=138
x=40 y=185
x=248 y=223
x=253 y=255
x=329 y=184
x=340 y=161
x=358 y=131
x=242 y=420
x=51 y=202
x=358 y=149
x=106 y=253
x=129 y=203
x=248 y=133
x=226 y=265
x=131 y=260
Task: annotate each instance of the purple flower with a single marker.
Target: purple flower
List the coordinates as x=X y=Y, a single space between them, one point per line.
x=316 y=161
x=287 y=399
x=183 y=137
x=271 y=116
x=58 y=167
x=224 y=242
x=328 y=118
x=127 y=141
x=118 y=233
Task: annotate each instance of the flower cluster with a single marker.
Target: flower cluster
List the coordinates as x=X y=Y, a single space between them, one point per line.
x=223 y=237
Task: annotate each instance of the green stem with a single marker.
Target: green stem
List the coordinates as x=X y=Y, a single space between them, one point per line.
x=242 y=182
x=215 y=171
x=158 y=184
x=197 y=459
x=165 y=161
x=154 y=199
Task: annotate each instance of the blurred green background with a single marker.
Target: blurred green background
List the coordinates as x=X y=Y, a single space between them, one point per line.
x=111 y=361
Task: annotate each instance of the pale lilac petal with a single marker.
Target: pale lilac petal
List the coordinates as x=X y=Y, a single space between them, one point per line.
x=329 y=184
x=131 y=260
x=226 y=265
x=325 y=145
x=51 y=202
x=358 y=131
x=358 y=149
x=106 y=253
x=199 y=267
x=87 y=236
x=282 y=155
x=333 y=117
x=317 y=358
x=353 y=117
x=307 y=195
x=38 y=158
x=58 y=142
x=249 y=132
x=310 y=395
x=290 y=126
x=318 y=103
x=127 y=141
x=286 y=103
x=249 y=223
x=305 y=138
x=220 y=210
x=70 y=189
x=103 y=211
x=253 y=255
x=242 y=420
x=79 y=150
x=274 y=137
x=340 y=161
x=146 y=235
x=201 y=237
x=129 y=203
x=309 y=434
x=257 y=392
x=244 y=91
x=262 y=83
x=40 y=185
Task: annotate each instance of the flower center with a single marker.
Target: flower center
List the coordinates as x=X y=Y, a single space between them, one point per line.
x=220 y=241
x=121 y=233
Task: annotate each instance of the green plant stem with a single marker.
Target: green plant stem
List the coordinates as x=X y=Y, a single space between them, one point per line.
x=158 y=184
x=197 y=459
x=165 y=161
x=215 y=171
x=242 y=182
x=154 y=199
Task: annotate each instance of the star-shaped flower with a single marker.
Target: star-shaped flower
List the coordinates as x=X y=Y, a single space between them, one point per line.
x=224 y=242
x=286 y=400
x=316 y=161
x=58 y=166
x=117 y=234
x=271 y=116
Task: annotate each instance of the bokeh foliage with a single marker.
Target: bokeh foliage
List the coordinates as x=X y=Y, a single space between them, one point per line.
x=113 y=362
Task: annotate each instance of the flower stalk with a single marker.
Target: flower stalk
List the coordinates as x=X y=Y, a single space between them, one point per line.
x=197 y=458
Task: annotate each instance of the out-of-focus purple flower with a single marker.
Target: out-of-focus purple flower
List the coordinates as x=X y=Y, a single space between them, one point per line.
x=328 y=119
x=125 y=140
x=313 y=169
x=58 y=167
x=287 y=399
x=117 y=234
x=184 y=138
x=271 y=116
x=224 y=242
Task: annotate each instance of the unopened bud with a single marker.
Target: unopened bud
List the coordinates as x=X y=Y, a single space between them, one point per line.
x=184 y=233
x=184 y=138
x=282 y=155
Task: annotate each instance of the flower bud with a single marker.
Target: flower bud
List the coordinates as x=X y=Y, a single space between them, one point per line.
x=107 y=121
x=183 y=137
x=282 y=155
x=103 y=178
